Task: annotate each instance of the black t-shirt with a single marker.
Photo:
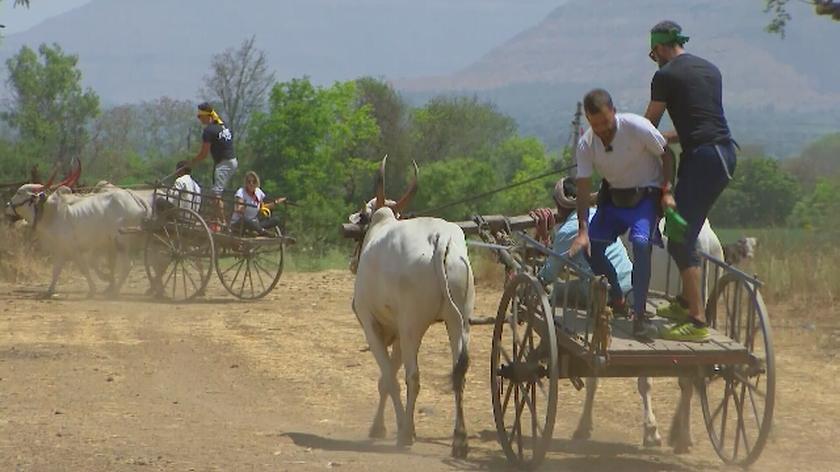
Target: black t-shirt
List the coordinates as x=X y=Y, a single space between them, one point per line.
x=692 y=90
x=220 y=138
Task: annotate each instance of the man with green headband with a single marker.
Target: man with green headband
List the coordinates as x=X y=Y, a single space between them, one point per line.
x=690 y=89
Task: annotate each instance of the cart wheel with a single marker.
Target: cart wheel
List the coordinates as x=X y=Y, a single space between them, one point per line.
x=738 y=400
x=179 y=255
x=524 y=372
x=251 y=270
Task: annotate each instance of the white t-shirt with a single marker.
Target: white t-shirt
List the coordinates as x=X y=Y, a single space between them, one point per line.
x=185 y=193
x=252 y=203
x=635 y=159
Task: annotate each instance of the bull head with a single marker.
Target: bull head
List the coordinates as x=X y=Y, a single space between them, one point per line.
x=29 y=197
x=363 y=216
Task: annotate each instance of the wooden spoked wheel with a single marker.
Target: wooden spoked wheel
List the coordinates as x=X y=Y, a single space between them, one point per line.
x=738 y=400
x=178 y=255
x=250 y=268
x=524 y=372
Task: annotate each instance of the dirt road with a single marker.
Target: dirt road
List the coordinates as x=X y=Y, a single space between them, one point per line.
x=283 y=384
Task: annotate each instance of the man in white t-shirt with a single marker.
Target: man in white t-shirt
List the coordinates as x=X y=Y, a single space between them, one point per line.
x=185 y=192
x=636 y=164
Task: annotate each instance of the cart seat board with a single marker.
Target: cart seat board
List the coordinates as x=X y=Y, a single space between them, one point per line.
x=625 y=349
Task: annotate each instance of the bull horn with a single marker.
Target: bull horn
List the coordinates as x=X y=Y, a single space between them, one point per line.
x=48 y=185
x=409 y=194
x=380 y=185
x=75 y=177
x=72 y=177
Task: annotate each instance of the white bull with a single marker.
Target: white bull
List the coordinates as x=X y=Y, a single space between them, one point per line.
x=410 y=274
x=79 y=228
x=663 y=280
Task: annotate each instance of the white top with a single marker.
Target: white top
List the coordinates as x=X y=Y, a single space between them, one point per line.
x=185 y=193
x=635 y=159
x=252 y=203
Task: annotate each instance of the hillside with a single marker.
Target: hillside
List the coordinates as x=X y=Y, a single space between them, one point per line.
x=773 y=87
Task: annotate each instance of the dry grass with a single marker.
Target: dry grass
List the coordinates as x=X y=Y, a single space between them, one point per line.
x=18 y=262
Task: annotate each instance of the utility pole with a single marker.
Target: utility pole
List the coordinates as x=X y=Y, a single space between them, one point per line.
x=574 y=137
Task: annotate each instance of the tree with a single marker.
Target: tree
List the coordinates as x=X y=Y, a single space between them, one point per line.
x=48 y=107
x=819 y=159
x=304 y=149
x=392 y=118
x=761 y=194
x=780 y=18
x=457 y=127
x=239 y=80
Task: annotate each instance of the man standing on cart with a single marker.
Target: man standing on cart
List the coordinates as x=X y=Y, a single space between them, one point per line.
x=217 y=140
x=635 y=162
x=690 y=88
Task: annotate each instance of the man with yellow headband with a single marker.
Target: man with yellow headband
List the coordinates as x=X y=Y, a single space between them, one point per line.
x=217 y=140
x=690 y=89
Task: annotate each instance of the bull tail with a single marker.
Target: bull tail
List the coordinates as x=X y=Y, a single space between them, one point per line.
x=458 y=328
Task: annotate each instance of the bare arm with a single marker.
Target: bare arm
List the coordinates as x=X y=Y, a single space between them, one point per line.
x=202 y=153
x=654 y=112
x=668 y=174
x=584 y=188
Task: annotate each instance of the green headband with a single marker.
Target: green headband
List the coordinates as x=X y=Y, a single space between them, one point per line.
x=667 y=37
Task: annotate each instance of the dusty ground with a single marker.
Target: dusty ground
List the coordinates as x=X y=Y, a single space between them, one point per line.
x=282 y=384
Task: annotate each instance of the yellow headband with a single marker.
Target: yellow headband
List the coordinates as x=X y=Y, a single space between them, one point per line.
x=212 y=114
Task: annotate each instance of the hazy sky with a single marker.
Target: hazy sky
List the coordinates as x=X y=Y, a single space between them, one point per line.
x=19 y=19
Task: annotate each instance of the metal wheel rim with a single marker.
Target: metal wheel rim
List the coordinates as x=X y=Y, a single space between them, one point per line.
x=745 y=388
x=527 y=396
x=265 y=262
x=188 y=235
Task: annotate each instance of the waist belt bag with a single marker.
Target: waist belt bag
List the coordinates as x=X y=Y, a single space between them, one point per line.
x=631 y=197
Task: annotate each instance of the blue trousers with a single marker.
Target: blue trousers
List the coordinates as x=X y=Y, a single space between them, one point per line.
x=704 y=173
x=607 y=225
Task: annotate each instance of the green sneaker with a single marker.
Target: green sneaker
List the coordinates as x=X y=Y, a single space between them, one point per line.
x=674 y=312
x=687 y=332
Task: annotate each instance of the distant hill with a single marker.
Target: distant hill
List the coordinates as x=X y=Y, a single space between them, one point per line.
x=778 y=93
x=133 y=50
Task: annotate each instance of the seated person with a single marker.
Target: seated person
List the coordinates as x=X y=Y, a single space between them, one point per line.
x=566 y=231
x=184 y=193
x=250 y=202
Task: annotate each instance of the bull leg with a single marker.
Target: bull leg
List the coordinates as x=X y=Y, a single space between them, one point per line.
x=81 y=262
x=680 y=435
x=57 y=268
x=388 y=386
x=650 y=433
x=121 y=268
x=410 y=345
x=387 y=374
x=458 y=342
x=584 y=429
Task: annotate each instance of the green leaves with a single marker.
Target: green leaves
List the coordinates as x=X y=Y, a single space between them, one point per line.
x=49 y=109
x=761 y=194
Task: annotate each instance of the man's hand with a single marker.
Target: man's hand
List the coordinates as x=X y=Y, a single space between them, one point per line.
x=581 y=242
x=668 y=201
x=279 y=200
x=544 y=221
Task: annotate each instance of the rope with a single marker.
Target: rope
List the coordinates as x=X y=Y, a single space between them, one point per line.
x=495 y=191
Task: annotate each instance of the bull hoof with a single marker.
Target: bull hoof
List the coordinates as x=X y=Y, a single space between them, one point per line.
x=582 y=434
x=460 y=449
x=405 y=440
x=682 y=449
x=48 y=296
x=651 y=437
x=377 y=431
x=652 y=442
